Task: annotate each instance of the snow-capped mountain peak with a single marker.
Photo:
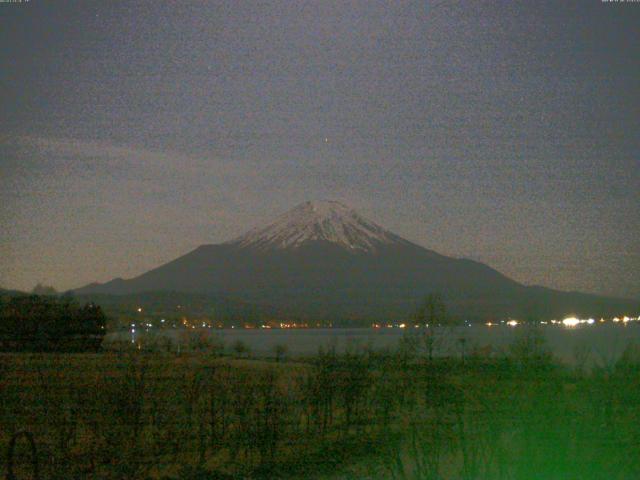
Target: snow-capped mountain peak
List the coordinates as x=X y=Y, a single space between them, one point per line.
x=328 y=221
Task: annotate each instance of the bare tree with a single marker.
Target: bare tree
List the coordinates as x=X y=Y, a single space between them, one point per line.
x=432 y=314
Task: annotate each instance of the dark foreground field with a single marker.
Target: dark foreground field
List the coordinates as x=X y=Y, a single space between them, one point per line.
x=362 y=414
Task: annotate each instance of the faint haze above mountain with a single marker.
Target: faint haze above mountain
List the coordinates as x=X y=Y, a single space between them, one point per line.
x=132 y=132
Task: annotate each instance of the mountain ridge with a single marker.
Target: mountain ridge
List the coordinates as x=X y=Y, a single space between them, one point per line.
x=324 y=260
x=326 y=220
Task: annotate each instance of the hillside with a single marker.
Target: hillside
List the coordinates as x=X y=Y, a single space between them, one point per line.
x=323 y=260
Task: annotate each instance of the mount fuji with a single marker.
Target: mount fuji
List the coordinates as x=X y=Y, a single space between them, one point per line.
x=327 y=221
x=323 y=260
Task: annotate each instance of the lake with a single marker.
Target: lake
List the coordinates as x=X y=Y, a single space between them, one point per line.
x=596 y=344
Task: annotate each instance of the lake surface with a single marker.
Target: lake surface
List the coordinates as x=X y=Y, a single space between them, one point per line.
x=595 y=344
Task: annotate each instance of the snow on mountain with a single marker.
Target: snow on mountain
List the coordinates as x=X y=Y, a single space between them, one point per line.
x=289 y=268
x=327 y=220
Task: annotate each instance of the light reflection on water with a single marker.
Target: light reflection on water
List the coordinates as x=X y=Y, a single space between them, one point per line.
x=603 y=343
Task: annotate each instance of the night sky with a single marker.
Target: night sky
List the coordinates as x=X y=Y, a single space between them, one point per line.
x=506 y=132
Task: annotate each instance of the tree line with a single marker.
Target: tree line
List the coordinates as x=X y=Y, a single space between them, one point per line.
x=47 y=323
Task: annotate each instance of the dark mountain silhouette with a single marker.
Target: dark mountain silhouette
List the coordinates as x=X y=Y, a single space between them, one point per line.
x=173 y=305
x=6 y=292
x=323 y=260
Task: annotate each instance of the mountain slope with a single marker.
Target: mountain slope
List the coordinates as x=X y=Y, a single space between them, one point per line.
x=327 y=221
x=323 y=260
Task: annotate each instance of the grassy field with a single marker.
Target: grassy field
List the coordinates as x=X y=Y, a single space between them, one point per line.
x=362 y=414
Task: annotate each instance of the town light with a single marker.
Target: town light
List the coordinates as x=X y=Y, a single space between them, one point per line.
x=570 y=322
